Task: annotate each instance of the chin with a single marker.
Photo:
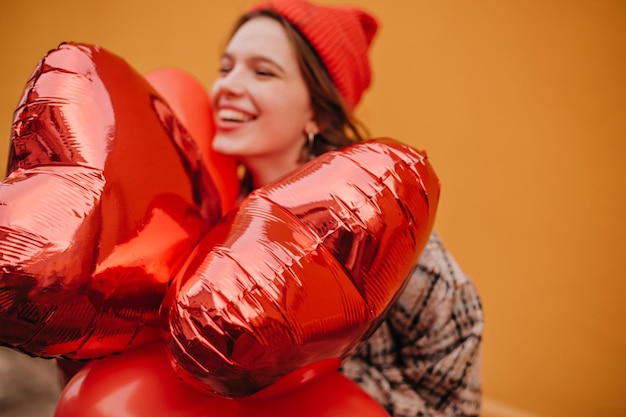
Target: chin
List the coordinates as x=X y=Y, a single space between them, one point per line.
x=223 y=144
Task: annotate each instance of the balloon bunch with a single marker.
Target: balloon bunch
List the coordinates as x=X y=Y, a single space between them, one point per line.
x=119 y=234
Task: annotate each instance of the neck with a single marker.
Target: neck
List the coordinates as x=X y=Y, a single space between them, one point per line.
x=266 y=170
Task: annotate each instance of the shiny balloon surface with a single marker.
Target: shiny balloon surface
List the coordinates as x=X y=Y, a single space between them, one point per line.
x=141 y=383
x=190 y=101
x=303 y=269
x=105 y=196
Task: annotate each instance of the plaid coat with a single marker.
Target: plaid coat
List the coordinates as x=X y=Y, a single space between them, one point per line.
x=425 y=358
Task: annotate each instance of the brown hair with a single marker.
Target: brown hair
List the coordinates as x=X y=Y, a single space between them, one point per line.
x=338 y=128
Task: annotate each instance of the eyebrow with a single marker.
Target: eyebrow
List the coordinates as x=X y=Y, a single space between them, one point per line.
x=258 y=58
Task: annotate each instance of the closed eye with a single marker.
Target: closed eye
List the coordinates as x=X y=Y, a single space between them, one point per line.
x=262 y=72
x=226 y=64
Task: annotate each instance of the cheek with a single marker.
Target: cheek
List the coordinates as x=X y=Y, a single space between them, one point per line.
x=291 y=106
x=213 y=93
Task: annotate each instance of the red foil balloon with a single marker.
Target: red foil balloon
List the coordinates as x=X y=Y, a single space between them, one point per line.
x=190 y=102
x=303 y=269
x=106 y=195
x=141 y=383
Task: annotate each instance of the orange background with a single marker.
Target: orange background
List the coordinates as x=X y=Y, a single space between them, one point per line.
x=521 y=106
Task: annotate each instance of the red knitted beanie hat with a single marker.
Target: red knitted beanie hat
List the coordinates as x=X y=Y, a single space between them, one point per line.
x=340 y=35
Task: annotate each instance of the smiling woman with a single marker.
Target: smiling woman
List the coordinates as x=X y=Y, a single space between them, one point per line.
x=261 y=102
x=341 y=235
x=279 y=69
x=321 y=255
x=290 y=78
x=520 y=105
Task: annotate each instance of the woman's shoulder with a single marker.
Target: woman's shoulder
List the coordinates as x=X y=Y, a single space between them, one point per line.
x=437 y=292
x=437 y=262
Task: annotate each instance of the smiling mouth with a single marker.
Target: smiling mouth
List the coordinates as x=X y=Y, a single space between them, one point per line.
x=230 y=115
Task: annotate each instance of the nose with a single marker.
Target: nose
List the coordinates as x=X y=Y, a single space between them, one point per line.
x=230 y=83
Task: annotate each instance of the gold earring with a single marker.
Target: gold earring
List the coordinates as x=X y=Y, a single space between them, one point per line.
x=311 y=139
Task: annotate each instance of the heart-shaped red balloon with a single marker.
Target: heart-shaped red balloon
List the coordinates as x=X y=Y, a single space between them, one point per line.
x=106 y=195
x=303 y=269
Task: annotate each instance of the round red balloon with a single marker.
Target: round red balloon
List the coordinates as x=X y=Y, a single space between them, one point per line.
x=137 y=383
x=141 y=383
x=321 y=392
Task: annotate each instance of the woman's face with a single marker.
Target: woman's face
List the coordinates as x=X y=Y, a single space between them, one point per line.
x=261 y=104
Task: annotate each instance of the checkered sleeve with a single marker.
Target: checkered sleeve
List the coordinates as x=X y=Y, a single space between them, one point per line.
x=425 y=358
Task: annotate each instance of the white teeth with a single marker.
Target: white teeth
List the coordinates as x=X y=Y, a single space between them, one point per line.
x=230 y=115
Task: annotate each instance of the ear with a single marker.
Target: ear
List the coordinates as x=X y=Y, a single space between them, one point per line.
x=311 y=126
